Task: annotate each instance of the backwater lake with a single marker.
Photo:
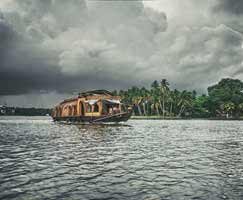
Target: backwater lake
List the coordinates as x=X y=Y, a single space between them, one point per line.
x=139 y=159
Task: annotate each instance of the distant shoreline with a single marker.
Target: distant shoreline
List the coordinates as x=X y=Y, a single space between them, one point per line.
x=146 y=118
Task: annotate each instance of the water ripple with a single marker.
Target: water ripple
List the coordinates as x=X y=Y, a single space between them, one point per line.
x=139 y=160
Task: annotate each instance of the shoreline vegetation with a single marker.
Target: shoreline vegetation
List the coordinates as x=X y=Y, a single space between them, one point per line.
x=17 y=111
x=224 y=101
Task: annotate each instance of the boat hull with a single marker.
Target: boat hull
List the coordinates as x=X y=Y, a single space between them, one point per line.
x=120 y=117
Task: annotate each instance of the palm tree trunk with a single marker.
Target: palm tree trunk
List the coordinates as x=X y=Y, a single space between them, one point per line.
x=163 y=107
x=181 y=111
x=148 y=111
x=171 y=107
x=139 y=110
x=157 y=109
x=144 y=109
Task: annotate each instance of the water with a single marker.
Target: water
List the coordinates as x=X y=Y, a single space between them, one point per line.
x=150 y=160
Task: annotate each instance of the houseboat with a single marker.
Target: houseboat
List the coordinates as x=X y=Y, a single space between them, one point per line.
x=96 y=106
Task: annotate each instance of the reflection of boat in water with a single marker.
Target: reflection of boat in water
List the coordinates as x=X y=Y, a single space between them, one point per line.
x=96 y=106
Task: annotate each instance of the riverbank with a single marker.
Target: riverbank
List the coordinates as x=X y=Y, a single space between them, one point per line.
x=154 y=118
x=180 y=118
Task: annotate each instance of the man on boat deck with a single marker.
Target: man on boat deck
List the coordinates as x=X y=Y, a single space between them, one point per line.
x=116 y=109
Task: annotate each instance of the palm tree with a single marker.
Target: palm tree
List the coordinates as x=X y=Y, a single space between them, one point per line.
x=136 y=101
x=164 y=90
x=155 y=97
x=186 y=101
x=171 y=100
x=175 y=96
x=155 y=107
x=146 y=96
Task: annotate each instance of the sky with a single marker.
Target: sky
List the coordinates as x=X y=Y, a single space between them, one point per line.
x=52 y=49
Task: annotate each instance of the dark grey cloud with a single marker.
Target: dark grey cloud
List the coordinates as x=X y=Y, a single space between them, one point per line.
x=68 y=46
x=7 y=34
x=230 y=6
x=61 y=45
x=25 y=67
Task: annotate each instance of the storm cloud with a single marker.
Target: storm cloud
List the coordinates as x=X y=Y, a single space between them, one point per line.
x=67 y=46
x=47 y=48
x=234 y=7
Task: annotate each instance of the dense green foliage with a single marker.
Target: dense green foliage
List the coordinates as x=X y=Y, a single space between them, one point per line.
x=225 y=99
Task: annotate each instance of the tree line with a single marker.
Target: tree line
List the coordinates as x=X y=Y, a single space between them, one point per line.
x=24 y=111
x=224 y=99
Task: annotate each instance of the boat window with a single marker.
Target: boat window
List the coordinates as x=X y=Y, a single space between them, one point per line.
x=104 y=109
x=88 y=108
x=96 y=107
